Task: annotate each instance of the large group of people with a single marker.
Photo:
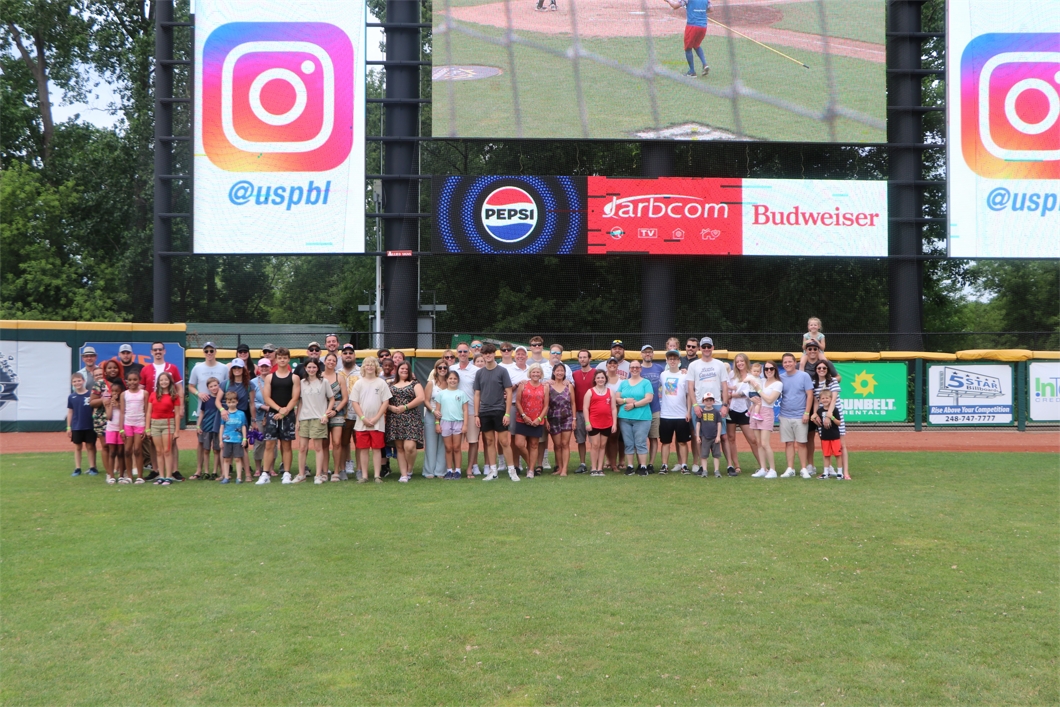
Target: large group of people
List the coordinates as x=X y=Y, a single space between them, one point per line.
x=511 y=405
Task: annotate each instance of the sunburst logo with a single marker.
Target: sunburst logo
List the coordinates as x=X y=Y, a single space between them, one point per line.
x=864 y=383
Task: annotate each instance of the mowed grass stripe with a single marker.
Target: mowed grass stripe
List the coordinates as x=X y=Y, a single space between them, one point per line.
x=618 y=104
x=931 y=578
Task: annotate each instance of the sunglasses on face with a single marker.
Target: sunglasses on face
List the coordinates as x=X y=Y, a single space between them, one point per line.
x=210 y=351
x=770 y=368
x=537 y=346
x=449 y=358
x=268 y=351
x=314 y=348
x=465 y=352
x=442 y=368
x=555 y=353
x=708 y=346
x=476 y=346
x=506 y=350
x=822 y=368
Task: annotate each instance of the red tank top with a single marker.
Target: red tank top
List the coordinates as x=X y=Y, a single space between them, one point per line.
x=532 y=401
x=600 y=410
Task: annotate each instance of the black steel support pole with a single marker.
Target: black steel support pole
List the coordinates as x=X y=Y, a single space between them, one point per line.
x=904 y=128
x=163 y=229
x=400 y=282
x=658 y=273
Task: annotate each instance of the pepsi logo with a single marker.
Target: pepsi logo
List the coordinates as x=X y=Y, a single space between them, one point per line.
x=509 y=214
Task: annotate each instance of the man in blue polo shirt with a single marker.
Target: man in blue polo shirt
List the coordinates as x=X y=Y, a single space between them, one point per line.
x=796 y=401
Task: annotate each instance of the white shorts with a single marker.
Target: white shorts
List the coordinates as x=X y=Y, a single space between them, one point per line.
x=793 y=430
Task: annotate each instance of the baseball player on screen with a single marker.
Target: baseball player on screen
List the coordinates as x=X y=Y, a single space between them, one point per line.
x=695 y=30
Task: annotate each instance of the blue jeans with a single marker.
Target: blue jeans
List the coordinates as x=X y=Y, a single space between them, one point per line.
x=635 y=434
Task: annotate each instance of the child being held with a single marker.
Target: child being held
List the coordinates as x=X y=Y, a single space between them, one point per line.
x=754 y=397
x=831 y=440
x=235 y=439
x=709 y=434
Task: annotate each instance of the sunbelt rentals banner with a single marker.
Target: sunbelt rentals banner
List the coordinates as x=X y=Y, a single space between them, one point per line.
x=873 y=392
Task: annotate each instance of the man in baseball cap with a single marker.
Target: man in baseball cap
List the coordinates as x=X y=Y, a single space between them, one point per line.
x=128 y=360
x=618 y=352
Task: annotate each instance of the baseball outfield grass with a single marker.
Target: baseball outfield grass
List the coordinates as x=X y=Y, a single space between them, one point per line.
x=929 y=579
x=619 y=105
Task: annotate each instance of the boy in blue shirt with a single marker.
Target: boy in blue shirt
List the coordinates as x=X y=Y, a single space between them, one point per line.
x=234 y=436
x=79 y=424
x=208 y=424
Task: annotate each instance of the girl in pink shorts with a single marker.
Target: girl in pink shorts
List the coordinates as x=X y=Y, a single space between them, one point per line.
x=133 y=423
x=115 y=447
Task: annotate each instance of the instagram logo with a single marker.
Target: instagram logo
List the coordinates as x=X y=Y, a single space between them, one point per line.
x=277 y=97
x=1010 y=106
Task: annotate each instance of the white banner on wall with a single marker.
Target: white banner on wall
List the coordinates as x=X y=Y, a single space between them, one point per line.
x=1003 y=103
x=279 y=126
x=34 y=382
x=1044 y=383
x=970 y=394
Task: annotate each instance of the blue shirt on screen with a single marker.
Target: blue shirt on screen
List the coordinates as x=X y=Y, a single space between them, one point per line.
x=696 y=12
x=793 y=397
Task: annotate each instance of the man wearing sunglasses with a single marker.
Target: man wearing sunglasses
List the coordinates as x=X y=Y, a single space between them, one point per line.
x=709 y=375
x=351 y=373
x=691 y=353
x=312 y=354
x=466 y=370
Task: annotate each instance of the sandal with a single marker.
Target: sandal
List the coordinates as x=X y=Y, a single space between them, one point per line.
x=378 y=479
x=140 y=481
x=111 y=481
x=165 y=482
x=335 y=477
x=298 y=479
x=195 y=477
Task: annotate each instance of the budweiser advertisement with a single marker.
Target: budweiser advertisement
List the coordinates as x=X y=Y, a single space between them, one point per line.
x=690 y=216
x=660 y=216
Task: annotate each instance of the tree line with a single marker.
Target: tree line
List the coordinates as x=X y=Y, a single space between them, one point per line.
x=76 y=203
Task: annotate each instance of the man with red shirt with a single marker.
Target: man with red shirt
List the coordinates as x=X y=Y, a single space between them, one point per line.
x=583 y=381
x=147 y=380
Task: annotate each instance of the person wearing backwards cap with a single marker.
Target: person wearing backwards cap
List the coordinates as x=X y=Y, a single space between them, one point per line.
x=200 y=373
x=618 y=352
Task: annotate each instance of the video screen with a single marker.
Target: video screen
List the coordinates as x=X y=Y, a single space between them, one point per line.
x=787 y=70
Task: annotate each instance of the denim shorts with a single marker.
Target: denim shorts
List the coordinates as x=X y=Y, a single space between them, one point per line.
x=635 y=435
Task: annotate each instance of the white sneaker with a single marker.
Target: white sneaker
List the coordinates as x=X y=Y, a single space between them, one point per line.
x=286 y=478
x=546 y=465
x=475 y=471
x=771 y=474
x=263 y=479
x=500 y=461
x=758 y=474
x=349 y=467
x=811 y=468
x=490 y=476
x=805 y=473
x=695 y=468
x=788 y=474
x=513 y=474
x=317 y=480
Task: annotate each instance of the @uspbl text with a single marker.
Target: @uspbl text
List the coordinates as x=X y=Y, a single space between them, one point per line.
x=244 y=192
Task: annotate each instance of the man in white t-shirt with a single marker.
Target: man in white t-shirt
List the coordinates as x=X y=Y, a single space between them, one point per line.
x=466 y=370
x=708 y=375
x=200 y=373
x=618 y=352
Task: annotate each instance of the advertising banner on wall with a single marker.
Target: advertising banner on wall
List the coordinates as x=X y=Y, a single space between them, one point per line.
x=970 y=394
x=34 y=382
x=279 y=126
x=873 y=392
x=1003 y=99
x=1044 y=381
x=660 y=216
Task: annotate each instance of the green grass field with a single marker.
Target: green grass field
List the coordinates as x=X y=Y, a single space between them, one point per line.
x=619 y=104
x=863 y=20
x=929 y=579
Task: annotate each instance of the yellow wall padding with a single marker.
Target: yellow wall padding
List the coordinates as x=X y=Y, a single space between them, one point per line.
x=926 y=355
x=35 y=324
x=853 y=356
x=995 y=355
x=1048 y=355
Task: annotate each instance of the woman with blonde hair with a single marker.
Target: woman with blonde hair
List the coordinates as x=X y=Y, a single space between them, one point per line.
x=433 y=445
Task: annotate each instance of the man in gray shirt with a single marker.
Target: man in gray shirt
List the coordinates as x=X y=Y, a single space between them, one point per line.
x=796 y=401
x=493 y=398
